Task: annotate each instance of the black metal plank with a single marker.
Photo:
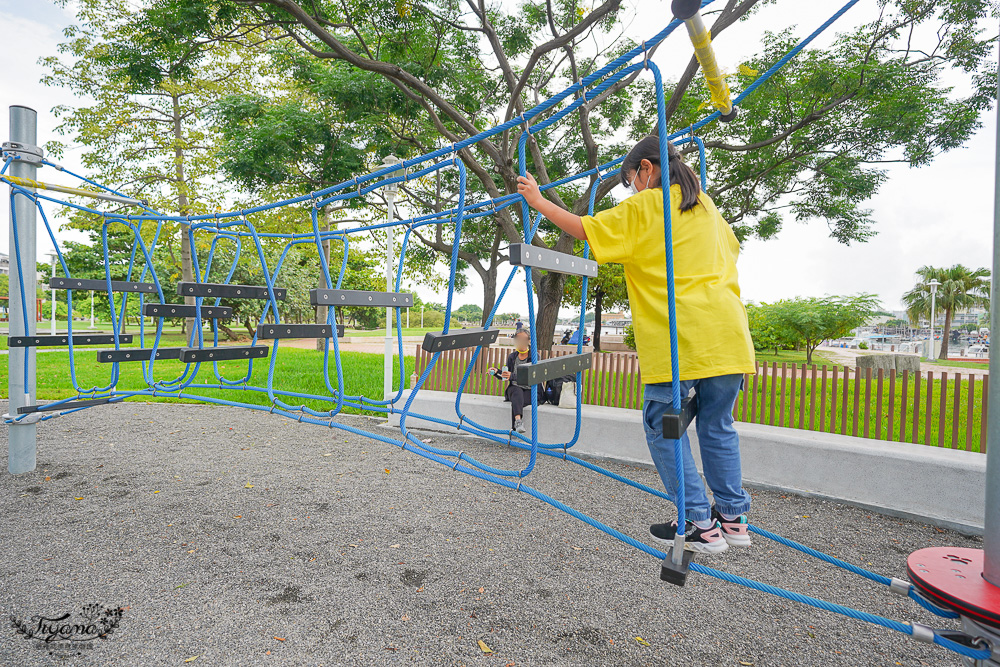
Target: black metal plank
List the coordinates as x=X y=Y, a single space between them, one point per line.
x=79 y=339
x=436 y=341
x=676 y=422
x=137 y=354
x=349 y=297
x=101 y=285
x=270 y=331
x=190 y=355
x=182 y=310
x=49 y=407
x=550 y=369
x=225 y=291
x=523 y=254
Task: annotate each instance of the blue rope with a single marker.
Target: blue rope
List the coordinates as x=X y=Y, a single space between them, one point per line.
x=235 y=227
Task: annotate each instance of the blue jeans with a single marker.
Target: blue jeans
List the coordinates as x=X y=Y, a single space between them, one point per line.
x=718 y=440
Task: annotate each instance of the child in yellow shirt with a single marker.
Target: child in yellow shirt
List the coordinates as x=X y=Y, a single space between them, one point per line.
x=714 y=344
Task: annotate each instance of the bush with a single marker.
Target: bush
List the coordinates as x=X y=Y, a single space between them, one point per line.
x=862 y=345
x=630 y=337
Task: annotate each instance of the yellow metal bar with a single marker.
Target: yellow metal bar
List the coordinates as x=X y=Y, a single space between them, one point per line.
x=65 y=189
x=701 y=39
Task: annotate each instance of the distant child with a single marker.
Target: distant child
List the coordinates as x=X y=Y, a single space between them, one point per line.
x=714 y=343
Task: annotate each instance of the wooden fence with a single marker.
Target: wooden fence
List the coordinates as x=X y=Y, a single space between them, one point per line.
x=932 y=408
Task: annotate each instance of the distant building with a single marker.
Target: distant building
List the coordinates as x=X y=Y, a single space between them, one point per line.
x=4 y=264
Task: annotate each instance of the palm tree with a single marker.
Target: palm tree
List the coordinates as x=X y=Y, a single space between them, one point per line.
x=961 y=288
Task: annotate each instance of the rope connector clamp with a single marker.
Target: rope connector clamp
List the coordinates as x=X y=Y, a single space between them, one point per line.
x=900 y=587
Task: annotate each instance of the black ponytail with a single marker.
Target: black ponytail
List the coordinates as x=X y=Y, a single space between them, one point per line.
x=680 y=173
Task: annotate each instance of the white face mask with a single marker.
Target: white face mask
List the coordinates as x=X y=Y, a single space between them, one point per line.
x=635 y=178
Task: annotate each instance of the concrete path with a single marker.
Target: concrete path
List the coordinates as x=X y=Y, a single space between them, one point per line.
x=235 y=537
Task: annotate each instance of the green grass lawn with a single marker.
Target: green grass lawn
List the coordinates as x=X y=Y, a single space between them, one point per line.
x=855 y=411
x=983 y=366
x=296 y=370
x=379 y=333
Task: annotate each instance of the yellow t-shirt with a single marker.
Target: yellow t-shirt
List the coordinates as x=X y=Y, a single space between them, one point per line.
x=713 y=337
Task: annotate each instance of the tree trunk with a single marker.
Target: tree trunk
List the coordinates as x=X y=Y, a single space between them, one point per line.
x=183 y=203
x=230 y=334
x=598 y=312
x=549 y=289
x=945 y=333
x=489 y=293
x=322 y=311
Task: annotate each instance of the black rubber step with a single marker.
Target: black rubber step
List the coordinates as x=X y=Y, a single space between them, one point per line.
x=271 y=331
x=436 y=341
x=49 y=407
x=101 y=285
x=182 y=310
x=550 y=369
x=347 y=297
x=137 y=354
x=224 y=291
x=78 y=339
x=190 y=355
x=676 y=422
x=523 y=254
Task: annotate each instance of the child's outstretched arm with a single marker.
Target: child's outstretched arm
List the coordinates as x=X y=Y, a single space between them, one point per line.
x=570 y=223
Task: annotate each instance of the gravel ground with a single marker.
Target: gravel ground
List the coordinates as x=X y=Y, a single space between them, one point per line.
x=220 y=530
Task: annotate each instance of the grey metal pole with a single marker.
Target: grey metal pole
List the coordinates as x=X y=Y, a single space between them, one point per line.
x=390 y=254
x=991 y=540
x=21 y=446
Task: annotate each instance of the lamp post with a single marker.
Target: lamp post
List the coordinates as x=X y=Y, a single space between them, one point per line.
x=52 y=256
x=389 y=191
x=934 y=284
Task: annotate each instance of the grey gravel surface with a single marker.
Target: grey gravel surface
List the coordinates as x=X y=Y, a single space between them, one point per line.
x=220 y=530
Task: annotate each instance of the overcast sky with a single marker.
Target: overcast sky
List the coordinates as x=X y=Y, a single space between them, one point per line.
x=938 y=215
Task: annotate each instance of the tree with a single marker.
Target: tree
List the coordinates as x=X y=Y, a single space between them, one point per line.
x=468 y=313
x=767 y=328
x=810 y=144
x=605 y=292
x=961 y=288
x=810 y=321
x=147 y=132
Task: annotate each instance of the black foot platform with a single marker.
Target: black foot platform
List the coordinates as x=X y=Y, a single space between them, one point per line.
x=676 y=573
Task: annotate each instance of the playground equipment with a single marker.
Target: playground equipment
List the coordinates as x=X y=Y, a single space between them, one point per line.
x=980 y=609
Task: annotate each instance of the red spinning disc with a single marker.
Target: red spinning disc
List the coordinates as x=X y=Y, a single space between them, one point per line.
x=952 y=577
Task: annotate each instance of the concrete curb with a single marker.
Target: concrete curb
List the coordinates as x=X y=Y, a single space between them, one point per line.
x=939 y=486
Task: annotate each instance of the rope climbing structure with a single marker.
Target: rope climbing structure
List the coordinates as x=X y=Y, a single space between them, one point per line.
x=194 y=372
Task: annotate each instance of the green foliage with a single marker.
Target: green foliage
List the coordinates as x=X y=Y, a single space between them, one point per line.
x=767 y=329
x=630 y=337
x=862 y=345
x=810 y=321
x=468 y=313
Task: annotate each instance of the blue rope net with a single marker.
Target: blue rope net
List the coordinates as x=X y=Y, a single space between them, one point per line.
x=237 y=229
